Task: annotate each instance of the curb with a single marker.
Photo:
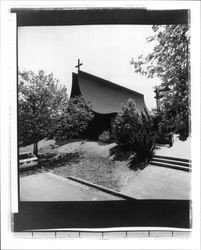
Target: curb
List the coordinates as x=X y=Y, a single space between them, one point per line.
x=101 y=188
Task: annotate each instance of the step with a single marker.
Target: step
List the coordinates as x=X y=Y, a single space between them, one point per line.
x=172 y=158
x=180 y=163
x=173 y=166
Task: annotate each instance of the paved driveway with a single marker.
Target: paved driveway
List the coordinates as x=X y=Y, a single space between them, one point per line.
x=151 y=183
x=51 y=187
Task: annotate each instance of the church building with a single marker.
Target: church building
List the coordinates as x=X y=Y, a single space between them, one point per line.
x=105 y=98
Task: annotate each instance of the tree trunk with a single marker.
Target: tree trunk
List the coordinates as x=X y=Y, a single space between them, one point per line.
x=35 y=148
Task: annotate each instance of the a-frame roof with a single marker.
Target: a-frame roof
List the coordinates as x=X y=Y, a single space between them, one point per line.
x=104 y=96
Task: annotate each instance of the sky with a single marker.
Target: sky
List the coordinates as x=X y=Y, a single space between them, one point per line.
x=104 y=50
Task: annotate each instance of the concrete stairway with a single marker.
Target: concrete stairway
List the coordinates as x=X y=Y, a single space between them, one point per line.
x=171 y=162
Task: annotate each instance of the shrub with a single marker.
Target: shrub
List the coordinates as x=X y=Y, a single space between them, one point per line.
x=135 y=130
x=104 y=137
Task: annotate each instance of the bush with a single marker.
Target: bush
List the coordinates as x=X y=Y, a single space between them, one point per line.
x=135 y=130
x=104 y=137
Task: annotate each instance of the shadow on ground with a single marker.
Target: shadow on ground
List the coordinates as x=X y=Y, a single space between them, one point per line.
x=120 y=154
x=50 y=161
x=59 y=143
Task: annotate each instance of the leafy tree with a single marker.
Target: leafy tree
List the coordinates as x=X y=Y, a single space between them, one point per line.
x=170 y=62
x=135 y=130
x=73 y=120
x=40 y=102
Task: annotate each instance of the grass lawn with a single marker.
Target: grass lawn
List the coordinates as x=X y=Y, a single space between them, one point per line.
x=98 y=163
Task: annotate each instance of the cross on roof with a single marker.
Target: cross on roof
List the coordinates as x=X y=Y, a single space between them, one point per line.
x=78 y=65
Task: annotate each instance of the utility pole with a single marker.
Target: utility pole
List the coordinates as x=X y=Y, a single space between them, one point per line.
x=157 y=98
x=160 y=93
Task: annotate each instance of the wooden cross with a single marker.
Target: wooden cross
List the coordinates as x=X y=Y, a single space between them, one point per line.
x=78 y=65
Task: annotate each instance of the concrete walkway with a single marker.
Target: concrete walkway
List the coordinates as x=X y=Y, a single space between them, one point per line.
x=179 y=149
x=160 y=183
x=51 y=187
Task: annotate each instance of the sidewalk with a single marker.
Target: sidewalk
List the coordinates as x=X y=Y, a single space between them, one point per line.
x=155 y=182
x=179 y=149
x=160 y=183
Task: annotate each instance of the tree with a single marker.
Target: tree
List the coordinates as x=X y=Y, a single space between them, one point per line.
x=170 y=62
x=40 y=102
x=73 y=120
x=135 y=130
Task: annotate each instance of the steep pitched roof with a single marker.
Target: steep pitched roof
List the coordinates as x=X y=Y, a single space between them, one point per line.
x=105 y=97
